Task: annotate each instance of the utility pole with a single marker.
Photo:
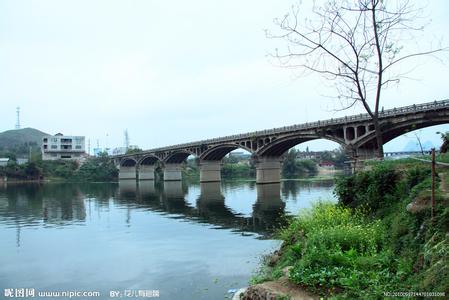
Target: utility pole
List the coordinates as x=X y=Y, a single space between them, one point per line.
x=126 y=139
x=433 y=184
x=18 y=117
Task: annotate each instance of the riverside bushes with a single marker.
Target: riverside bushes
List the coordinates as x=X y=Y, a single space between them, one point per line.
x=338 y=249
x=369 y=244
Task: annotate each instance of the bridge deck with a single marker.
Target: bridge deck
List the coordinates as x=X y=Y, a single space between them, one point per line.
x=395 y=112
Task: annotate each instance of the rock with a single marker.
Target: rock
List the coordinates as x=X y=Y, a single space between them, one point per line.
x=260 y=292
x=239 y=294
x=286 y=270
x=272 y=290
x=274 y=258
x=419 y=204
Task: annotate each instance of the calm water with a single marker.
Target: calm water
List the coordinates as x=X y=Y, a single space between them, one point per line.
x=187 y=241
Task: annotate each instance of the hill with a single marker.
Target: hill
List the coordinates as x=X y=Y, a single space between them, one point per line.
x=14 y=139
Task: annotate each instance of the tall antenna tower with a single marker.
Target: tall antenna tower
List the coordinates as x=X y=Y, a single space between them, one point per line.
x=18 y=117
x=126 y=139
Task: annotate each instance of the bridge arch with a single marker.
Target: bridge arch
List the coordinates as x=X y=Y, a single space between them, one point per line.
x=279 y=146
x=217 y=153
x=128 y=162
x=178 y=157
x=148 y=160
x=391 y=131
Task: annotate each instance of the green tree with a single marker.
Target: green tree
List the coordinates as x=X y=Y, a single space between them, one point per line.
x=445 y=146
x=96 y=169
x=292 y=167
x=32 y=171
x=133 y=150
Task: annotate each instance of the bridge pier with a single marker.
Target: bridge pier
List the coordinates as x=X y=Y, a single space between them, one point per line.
x=146 y=172
x=210 y=197
x=146 y=189
x=173 y=189
x=172 y=172
x=126 y=172
x=210 y=170
x=268 y=170
x=359 y=156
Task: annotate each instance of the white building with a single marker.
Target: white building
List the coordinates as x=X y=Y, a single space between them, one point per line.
x=4 y=162
x=22 y=161
x=59 y=146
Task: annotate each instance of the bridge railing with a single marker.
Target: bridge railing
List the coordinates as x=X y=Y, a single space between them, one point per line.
x=429 y=106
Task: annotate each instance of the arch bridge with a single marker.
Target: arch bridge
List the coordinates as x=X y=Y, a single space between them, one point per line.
x=355 y=133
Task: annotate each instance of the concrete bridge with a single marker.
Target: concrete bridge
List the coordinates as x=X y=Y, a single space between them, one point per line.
x=355 y=133
x=408 y=153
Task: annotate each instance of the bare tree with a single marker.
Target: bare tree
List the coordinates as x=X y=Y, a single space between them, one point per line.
x=357 y=45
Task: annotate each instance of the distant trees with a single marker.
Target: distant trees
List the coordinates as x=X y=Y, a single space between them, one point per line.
x=96 y=169
x=29 y=171
x=338 y=157
x=445 y=145
x=63 y=169
x=236 y=170
x=292 y=167
x=133 y=150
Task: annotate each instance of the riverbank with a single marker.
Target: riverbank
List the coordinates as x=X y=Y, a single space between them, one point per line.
x=379 y=238
x=95 y=169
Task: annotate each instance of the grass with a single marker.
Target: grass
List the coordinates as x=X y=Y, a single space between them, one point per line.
x=369 y=243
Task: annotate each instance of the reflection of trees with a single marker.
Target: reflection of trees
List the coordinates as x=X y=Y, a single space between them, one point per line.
x=59 y=204
x=64 y=204
x=102 y=192
x=58 y=210
x=26 y=205
x=292 y=188
x=52 y=203
x=18 y=208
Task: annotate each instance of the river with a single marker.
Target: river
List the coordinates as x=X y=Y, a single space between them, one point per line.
x=173 y=240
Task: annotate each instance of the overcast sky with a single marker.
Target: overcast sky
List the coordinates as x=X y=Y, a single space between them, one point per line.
x=172 y=71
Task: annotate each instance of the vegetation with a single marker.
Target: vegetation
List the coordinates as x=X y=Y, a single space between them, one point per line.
x=57 y=169
x=292 y=167
x=133 y=150
x=379 y=238
x=29 y=171
x=231 y=168
x=445 y=144
x=239 y=170
x=191 y=170
x=94 y=169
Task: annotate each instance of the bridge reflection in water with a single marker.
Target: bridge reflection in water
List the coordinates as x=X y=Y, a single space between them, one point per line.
x=268 y=210
x=242 y=207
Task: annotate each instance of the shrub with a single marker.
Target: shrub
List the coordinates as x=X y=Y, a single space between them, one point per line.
x=340 y=247
x=370 y=189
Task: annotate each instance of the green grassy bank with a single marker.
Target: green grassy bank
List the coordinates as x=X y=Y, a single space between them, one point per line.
x=378 y=239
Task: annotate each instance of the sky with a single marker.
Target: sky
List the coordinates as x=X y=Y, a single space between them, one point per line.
x=175 y=71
